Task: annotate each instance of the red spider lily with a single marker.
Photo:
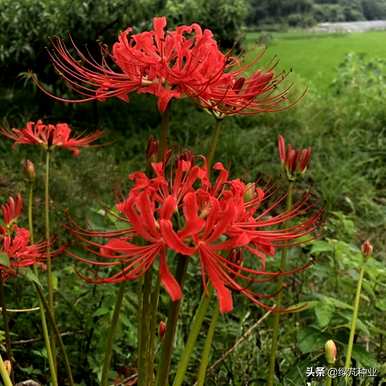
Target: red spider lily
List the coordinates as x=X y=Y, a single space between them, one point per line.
x=185 y=62
x=12 y=209
x=293 y=161
x=15 y=247
x=50 y=136
x=189 y=215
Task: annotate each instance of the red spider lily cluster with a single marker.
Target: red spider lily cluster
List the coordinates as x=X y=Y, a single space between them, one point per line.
x=294 y=161
x=16 y=249
x=223 y=224
x=185 y=62
x=50 y=136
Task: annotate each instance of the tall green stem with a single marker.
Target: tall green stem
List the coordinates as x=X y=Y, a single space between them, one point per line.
x=30 y=204
x=56 y=332
x=163 y=142
x=195 y=328
x=171 y=326
x=46 y=336
x=5 y=320
x=111 y=336
x=144 y=339
x=50 y=284
x=354 y=317
x=213 y=142
x=276 y=317
x=207 y=347
x=4 y=373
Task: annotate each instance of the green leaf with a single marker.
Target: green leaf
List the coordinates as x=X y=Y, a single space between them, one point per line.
x=321 y=246
x=4 y=259
x=365 y=358
x=324 y=312
x=31 y=276
x=381 y=304
x=309 y=340
x=101 y=311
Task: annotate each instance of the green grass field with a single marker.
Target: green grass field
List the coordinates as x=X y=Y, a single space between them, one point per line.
x=316 y=56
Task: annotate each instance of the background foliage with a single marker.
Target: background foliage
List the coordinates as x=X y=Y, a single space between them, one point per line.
x=342 y=117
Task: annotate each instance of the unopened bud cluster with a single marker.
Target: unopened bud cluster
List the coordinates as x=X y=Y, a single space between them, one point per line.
x=294 y=161
x=330 y=352
x=367 y=249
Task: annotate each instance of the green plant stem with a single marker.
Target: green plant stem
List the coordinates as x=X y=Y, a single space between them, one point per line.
x=192 y=338
x=49 y=262
x=56 y=332
x=163 y=142
x=144 y=321
x=329 y=379
x=276 y=316
x=354 y=317
x=207 y=347
x=46 y=336
x=171 y=326
x=213 y=142
x=30 y=203
x=5 y=320
x=4 y=373
x=111 y=335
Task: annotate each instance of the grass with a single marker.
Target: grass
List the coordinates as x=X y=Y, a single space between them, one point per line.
x=315 y=56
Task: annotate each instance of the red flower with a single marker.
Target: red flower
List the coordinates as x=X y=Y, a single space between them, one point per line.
x=12 y=209
x=293 y=161
x=50 y=136
x=189 y=215
x=185 y=62
x=15 y=247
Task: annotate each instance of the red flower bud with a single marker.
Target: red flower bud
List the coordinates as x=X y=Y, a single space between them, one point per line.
x=29 y=170
x=293 y=161
x=330 y=352
x=152 y=149
x=162 y=329
x=367 y=248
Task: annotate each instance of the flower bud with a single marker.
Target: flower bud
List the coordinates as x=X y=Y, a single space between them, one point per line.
x=29 y=170
x=367 y=249
x=152 y=150
x=162 y=329
x=8 y=366
x=330 y=352
x=250 y=192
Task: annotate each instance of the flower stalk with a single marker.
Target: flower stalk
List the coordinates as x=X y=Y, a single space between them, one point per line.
x=4 y=373
x=111 y=335
x=276 y=316
x=213 y=142
x=171 y=326
x=192 y=338
x=366 y=252
x=207 y=347
x=56 y=331
x=46 y=336
x=50 y=284
x=5 y=320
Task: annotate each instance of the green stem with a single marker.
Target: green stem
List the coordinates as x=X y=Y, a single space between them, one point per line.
x=276 y=316
x=144 y=321
x=171 y=326
x=5 y=320
x=49 y=262
x=4 y=373
x=30 y=203
x=111 y=336
x=46 y=336
x=207 y=347
x=56 y=331
x=51 y=362
x=329 y=379
x=354 y=318
x=163 y=143
x=213 y=142
x=193 y=335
